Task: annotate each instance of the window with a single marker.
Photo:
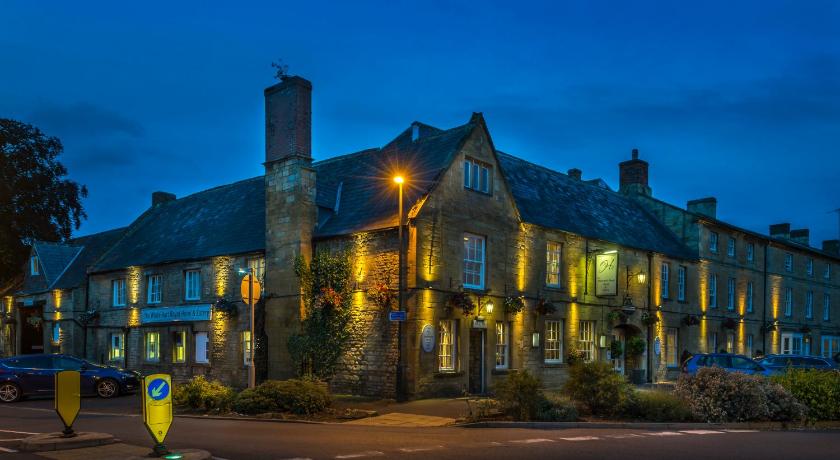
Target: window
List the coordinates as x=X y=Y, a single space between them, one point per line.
x=789 y=302
x=826 y=307
x=502 y=345
x=447 y=350
x=671 y=347
x=179 y=347
x=553 y=254
x=750 y=297
x=730 y=342
x=809 y=304
x=830 y=346
x=586 y=340
x=117 y=349
x=118 y=292
x=730 y=247
x=827 y=272
x=477 y=176
x=681 y=283
x=809 y=267
x=711 y=342
x=153 y=347
x=153 y=289
x=246 y=347
x=202 y=348
x=713 y=242
x=553 y=342
x=712 y=291
x=791 y=343
x=730 y=294
x=748 y=346
x=33 y=266
x=663 y=280
x=750 y=252
x=788 y=262
x=257 y=266
x=192 y=285
x=56 y=333
x=473 y=261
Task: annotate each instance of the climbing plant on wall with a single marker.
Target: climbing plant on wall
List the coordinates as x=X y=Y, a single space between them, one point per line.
x=325 y=329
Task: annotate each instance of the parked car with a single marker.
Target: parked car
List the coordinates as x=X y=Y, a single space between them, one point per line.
x=29 y=375
x=726 y=361
x=779 y=363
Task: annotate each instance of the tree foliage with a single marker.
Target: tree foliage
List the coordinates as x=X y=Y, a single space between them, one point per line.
x=326 y=288
x=37 y=201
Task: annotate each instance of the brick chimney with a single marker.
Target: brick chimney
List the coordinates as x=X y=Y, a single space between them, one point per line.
x=290 y=212
x=801 y=236
x=704 y=206
x=575 y=173
x=832 y=247
x=633 y=175
x=162 y=197
x=780 y=231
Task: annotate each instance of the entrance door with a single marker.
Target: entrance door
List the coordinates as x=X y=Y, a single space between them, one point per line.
x=476 y=367
x=618 y=362
x=31 y=335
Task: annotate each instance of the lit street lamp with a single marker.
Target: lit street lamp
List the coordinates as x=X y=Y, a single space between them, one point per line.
x=399 y=180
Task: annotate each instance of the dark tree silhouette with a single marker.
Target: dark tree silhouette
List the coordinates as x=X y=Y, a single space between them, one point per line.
x=37 y=201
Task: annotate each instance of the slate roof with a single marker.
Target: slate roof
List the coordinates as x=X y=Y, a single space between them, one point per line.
x=554 y=200
x=92 y=247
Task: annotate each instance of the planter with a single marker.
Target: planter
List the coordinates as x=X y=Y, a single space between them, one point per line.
x=637 y=376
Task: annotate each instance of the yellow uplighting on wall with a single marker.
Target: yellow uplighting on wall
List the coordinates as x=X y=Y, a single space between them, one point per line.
x=360 y=252
x=133 y=317
x=222 y=269
x=57 y=298
x=133 y=284
x=523 y=256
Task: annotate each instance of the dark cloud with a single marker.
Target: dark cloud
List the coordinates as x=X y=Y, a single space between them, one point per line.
x=84 y=120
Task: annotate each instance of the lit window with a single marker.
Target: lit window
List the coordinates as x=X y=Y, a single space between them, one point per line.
x=118 y=292
x=257 y=266
x=586 y=340
x=830 y=346
x=730 y=298
x=664 y=280
x=179 y=347
x=477 y=176
x=749 y=297
x=789 y=302
x=473 y=261
x=152 y=347
x=681 y=283
x=502 y=345
x=153 y=288
x=446 y=352
x=246 y=347
x=117 y=349
x=730 y=247
x=826 y=307
x=750 y=252
x=671 y=347
x=712 y=291
x=711 y=342
x=553 y=342
x=202 y=348
x=788 y=262
x=553 y=254
x=748 y=346
x=809 y=304
x=730 y=342
x=809 y=267
x=34 y=269
x=713 y=242
x=192 y=285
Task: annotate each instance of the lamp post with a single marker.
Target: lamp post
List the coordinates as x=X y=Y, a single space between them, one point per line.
x=399 y=180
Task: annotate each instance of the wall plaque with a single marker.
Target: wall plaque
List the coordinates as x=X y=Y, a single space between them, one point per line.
x=427 y=338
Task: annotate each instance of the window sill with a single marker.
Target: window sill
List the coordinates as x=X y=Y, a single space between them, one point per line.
x=448 y=374
x=553 y=365
x=504 y=371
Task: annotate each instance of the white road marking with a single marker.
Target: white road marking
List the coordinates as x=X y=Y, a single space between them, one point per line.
x=39 y=409
x=3 y=449
x=741 y=431
x=531 y=441
x=419 y=449
x=13 y=439
x=624 y=436
x=19 y=432
x=701 y=432
x=582 y=438
x=368 y=453
x=664 y=433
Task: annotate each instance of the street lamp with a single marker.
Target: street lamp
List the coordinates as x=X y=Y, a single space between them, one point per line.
x=399 y=180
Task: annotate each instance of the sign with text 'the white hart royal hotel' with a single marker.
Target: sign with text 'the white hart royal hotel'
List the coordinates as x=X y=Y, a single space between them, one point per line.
x=174 y=314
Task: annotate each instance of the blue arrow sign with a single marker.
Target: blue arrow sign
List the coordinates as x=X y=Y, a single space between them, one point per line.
x=396 y=316
x=158 y=389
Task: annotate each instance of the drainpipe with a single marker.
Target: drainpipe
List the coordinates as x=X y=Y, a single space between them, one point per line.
x=764 y=306
x=87 y=309
x=650 y=328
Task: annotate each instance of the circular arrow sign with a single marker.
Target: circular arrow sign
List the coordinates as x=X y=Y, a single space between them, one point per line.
x=254 y=289
x=158 y=389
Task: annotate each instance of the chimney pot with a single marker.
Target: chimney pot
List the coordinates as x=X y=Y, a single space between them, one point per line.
x=780 y=230
x=162 y=197
x=633 y=176
x=635 y=154
x=832 y=247
x=801 y=236
x=575 y=173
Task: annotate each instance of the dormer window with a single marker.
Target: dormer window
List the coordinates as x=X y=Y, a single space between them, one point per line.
x=477 y=176
x=34 y=269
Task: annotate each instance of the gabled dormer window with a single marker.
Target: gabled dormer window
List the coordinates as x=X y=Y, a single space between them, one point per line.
x=477 y=176
x=34 y=269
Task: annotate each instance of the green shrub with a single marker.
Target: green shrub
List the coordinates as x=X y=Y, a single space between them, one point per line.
x=519 y=395
x=298 y=396
x=817 y=389
x=657 y=406
x=598 y=387
x=552 y=408
x=201 y=394
x=715 y=395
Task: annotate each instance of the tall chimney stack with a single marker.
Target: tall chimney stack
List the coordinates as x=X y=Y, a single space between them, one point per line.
x=704 y=206
x=781 y=231
x=633 y=175
x=801 y=236
x=288 y=119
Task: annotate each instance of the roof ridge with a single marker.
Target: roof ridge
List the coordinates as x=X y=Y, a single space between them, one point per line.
x=343 y=156
x=562 y=174
x=73 y=259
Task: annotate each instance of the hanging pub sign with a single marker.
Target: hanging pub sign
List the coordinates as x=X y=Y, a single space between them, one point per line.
x=606 y=274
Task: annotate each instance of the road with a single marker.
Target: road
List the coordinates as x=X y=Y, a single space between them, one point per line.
x=265 y=440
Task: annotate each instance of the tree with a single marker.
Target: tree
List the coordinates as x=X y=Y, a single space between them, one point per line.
x=37 y=201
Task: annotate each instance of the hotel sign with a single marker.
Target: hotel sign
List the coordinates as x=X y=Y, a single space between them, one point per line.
x=606 y=274
x=174 y=314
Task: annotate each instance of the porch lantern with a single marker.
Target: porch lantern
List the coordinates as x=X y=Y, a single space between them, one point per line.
x=535 y=339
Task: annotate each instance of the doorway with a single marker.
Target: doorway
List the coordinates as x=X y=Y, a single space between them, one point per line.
x=619 y=361
x=31 y=324
x=476 y=366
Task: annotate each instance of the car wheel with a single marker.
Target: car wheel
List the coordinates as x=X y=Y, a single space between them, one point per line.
x=9 y=392
x=107 y=388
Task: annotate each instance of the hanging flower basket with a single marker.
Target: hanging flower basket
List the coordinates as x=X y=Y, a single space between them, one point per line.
x=514 y=304
x=649 y=319
x=617 y=317
x=382 y=296
x=575 y=356
x=227 y=308
x=461 y=301
x=730 y=323
x=690 y=320
x=768 y=327
x=88 y=316
x=616 y=349
x=805 y=329
x=544 y=307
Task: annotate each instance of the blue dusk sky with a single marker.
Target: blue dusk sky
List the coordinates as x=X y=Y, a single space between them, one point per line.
x=737 y=100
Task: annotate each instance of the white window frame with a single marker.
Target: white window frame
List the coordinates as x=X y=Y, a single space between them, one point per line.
x=750 y=297
x=829 y=346
x=202 y=347
x=553 y=342
x=34 y=266
x=447 y=345
x=730 y=293
x=586 y=340
x=257 y=267
x=118 y=292
x=809 y=304
x=809 y=267
x=712 y=291
x=750 y=252
x=730 y=247
x=192 y=287
x=672 y=345
x=730 y=342
x=788 y=262
x=826 y=307
x=246 y=347
x=473 y=266
x=151 y=347
x=116 y=348
x=711 y=342
x=788 y=342
x=179 y=356
x=153 y=289
x=502 y=345
x=748 y=344
x=788 y=302
x=827 y=272
x=713 y=242
x=664 y=280
x=477 y=176
x=553 y=263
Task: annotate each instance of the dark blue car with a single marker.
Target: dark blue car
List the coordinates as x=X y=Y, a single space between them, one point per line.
x=726 y=361
x=30 y=375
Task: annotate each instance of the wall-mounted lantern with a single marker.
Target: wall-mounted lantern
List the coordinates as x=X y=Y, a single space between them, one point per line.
x=535 y=339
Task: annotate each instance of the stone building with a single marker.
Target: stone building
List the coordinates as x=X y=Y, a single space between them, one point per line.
x=508 y=265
